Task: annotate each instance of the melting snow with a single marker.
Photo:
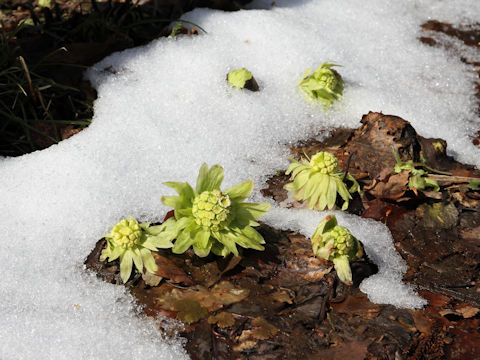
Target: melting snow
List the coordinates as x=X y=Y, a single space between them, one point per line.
x=167 y=109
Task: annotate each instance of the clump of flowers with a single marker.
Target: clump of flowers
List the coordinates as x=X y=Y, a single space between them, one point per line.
x=324 y=84
x=336 y=243
x=242 y=78
x=418 y=177
x=209 y=219
x=133 y=243
x=319 y=180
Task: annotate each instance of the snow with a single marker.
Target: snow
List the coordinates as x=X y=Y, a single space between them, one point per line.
x=166 y=110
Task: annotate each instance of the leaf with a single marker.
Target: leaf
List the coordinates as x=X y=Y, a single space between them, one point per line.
x=393 y=189
x=167 y=269
x=126 y=265
x=282 y=296
x=357 y=305
x=209 y=179
x=189 y=311
x=342 y=266
x=226 y=294
x=474 y=185
x=148 y=260
x=223 y=319
x=151 y=279
x=241 y=191
x=467 y=310
x=238 y=78
x=263 y=330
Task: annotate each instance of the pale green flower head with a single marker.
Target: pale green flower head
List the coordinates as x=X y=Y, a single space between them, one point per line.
x=209 y=219
x=319 y=181
x=324 y=84
x=211 y=209
x=336 y=243
x=324 y=162
x=238 y=78
x=133 y=243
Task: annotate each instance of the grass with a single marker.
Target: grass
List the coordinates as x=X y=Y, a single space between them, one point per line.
x=42 y=94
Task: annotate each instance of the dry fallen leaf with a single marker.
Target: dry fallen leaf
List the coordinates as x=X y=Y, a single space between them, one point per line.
x=358 y=306
x=263 y=330
x=169 y=270
x=394 y=188
x=245 y=341
x=151 y=279
x=223 y=319
x=281 y=296
x=189 y=311
x=467 y=311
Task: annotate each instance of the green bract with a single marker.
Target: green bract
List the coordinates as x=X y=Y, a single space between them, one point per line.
x=319 y=180
x=133 y=243
x=418 y=178
x=324 y=84
x=238 y=78
x=209 y=219
x=336 y=243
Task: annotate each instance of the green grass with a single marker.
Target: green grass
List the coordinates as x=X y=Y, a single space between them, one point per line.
x=38 y=98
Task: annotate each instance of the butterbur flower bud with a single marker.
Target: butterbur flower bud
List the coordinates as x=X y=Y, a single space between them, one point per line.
x=211 y=209
x=126 y=233
x=133 y=243
x=242 y=78
x=336 y=243
x=324 y=84
x=319 y=181
x=209 y=219
x=324 y=162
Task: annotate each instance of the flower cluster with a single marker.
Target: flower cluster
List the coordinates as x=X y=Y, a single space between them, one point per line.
x=336 y=243
x=133 y=243
x=209 y=219
x=319 y=181
x=324 y=84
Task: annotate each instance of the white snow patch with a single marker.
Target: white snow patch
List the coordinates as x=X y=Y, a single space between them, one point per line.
x=166 y=111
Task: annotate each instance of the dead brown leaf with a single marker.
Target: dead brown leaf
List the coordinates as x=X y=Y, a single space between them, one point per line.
x=223 y=319
x=394 y=188
x=151 y=279
x=358 y=306
x=169 y=270
x=352 y=350
x=189 y=311
x=264 y=330
x=282 y=296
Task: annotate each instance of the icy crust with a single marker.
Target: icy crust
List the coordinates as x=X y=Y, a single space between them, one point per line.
x=385 y=287
x=166 y=110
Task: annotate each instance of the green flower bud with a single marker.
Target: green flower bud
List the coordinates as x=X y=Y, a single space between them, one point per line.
x=324 y=162
x=319 y=181
x=241 y=79
x=133 y=243
x=126 y=233
x=211 y=209
x=209 y=219
x=336 y=243
x=324 y=84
